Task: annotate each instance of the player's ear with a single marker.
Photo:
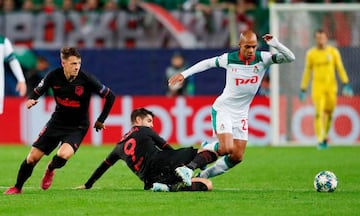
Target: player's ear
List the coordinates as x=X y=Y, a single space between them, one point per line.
x=138 y=120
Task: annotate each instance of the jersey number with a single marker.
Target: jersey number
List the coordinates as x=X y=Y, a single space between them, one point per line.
x=129 y=149
x=244 y=124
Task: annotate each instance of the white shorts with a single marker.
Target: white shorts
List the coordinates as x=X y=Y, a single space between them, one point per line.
x=224 y=122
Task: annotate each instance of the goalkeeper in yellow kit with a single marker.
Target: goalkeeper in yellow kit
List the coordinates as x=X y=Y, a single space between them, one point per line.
x=321 y=63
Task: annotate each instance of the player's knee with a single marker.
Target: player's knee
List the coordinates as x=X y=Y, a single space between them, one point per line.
x=32 y=160
x=224 y=149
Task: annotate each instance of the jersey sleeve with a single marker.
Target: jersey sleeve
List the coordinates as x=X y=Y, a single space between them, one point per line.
x=222 y=61
x=267 y=57
x=307 y=72
x=340 y=66
x=201 y=66
x=98 y=88
x=13 y=62
x=158 y=140
x=42 y=87
x=9 y=51
x=104 y=92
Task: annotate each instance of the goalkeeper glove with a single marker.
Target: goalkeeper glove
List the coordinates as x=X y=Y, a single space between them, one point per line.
x=302 y=95
x=347 y=91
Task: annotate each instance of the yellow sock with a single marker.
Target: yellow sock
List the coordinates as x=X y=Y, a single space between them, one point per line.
x=328 y=120
x=319 y=127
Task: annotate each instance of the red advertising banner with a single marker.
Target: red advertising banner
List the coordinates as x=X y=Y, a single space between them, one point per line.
x=183 y=120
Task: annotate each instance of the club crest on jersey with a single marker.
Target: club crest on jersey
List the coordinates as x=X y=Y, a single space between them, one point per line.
x=256 y=69
x=79 y=90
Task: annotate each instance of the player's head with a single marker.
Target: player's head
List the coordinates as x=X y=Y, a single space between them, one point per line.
x=321 y=38
x=71 y=62
x=142 y=117
x=247 y=44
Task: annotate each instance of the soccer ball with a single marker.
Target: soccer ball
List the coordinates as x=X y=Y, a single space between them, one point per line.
x=325 y=181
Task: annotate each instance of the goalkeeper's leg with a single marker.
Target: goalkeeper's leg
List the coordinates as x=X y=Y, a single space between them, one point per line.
x=319 y=122
x=329 y=107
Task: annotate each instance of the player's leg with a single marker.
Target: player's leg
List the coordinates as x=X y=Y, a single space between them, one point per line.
x=71 y=142
x=226 y=162
x=330 y=105
x=319 y=125
x=221 y=164
x=239 y=138
x=162 y=168
x=59 y=160
x=197 y=184
x=25 y=170
x=202 y=158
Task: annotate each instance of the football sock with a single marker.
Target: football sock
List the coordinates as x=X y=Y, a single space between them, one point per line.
x=221 y=166
x=97 y=174
x=24 y=173
x=201 y=159
x=319 y=127
x=56 y=163
x=328 y=120
x=213 y=146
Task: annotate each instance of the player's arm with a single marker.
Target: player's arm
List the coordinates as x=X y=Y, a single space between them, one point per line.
x=158 y=140
x=347 y=90
x=305 y=77
x=15 y=68
x=110 y=160
x=39 y=90
x=100 y=170
x=203 y=65
x=285 y=55
x=109 y=96
x=109 y=101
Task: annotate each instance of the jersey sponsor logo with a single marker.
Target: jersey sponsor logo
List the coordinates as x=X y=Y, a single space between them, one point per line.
x=79 y=90
x=252 y=80
x=68 y=103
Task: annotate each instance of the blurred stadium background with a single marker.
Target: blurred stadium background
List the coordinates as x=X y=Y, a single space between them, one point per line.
x=128 y=45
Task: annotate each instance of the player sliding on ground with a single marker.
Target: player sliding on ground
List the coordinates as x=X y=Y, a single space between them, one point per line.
x=244 y=71
x=154 y=161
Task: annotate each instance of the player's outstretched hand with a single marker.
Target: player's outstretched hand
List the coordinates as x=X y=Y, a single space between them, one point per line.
x=31 y=102
x=347 y=91
x=99 y=126
x=21 y=88
x=302 y=95
x=270 y=40
x=267 y=37
x=176 y=79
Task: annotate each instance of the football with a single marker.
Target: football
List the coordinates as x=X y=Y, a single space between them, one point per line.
x=325 y=181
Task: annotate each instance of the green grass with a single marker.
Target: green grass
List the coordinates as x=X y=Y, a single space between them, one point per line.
x=271 y=181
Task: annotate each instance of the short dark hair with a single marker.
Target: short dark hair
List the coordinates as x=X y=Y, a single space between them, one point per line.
x=66 y=52
x=319 y=31
x=140 y=112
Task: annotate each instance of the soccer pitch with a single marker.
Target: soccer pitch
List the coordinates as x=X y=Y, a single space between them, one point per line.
x=270 y=181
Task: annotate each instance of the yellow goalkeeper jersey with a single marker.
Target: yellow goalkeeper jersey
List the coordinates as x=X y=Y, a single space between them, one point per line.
x=320 y=65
